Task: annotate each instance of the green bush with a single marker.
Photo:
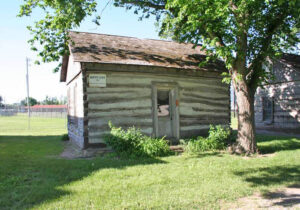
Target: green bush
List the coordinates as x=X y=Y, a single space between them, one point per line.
x=65 y=137
x=217 y=140
x=133 y=143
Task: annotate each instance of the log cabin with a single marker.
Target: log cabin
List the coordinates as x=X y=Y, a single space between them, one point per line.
x=277 y=104
x=154 y=85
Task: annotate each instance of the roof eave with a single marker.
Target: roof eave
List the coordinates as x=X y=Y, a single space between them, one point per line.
x=64 y=68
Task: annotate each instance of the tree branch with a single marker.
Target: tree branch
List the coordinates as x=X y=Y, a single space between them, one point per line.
x=160 y=5
x=233 y=7
x=256 y=65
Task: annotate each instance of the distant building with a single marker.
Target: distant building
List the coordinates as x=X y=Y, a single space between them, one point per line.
x=48 y=110
x=154 y=85
x=277 y=105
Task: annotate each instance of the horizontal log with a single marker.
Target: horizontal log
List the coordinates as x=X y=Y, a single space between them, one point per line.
x=121 y=109
x=224 y=110
x=198 y=127
x=202 y=83
x=116 y=100
x=125 y=95
x=131 y=103
x=189 y=112
x=194 y=127
x=142 y=79
x=118 y=120
x=204 y=116
x=97 y=139
x=203 y=101
x=189 y=122
x=212 y=90
x=150 y=70
x=189 y=106
x=110 y=90
x=103 y=127
x=205 y=97
x=117 y=116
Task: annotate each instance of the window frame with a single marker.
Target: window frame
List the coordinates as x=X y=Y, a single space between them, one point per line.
x=271 y=119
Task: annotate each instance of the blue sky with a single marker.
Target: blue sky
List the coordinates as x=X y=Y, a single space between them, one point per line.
x=14 y=48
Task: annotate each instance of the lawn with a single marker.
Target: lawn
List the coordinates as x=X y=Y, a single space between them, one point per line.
x=18 y=125
x=33 y=177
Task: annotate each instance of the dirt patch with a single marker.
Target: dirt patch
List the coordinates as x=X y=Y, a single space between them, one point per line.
x=177 y=149
x=71 y=151
x=286 y=198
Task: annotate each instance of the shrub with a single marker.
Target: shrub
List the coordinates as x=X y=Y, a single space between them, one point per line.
x=65 y=137
x=217 y=139
x=133 y=143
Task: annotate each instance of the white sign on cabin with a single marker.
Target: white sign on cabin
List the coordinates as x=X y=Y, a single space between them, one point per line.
x=97 y=80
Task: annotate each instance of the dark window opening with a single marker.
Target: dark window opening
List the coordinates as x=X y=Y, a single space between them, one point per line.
x=163 y=103
x=267 y=109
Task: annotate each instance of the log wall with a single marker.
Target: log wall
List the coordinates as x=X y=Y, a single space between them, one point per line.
x=286 y=106
x=76 y=111
x=127 y=100
x=285 y=93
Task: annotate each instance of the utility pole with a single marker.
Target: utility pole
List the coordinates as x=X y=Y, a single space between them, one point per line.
x=27 y=86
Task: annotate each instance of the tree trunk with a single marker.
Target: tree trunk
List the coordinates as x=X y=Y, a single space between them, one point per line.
x=246 y=142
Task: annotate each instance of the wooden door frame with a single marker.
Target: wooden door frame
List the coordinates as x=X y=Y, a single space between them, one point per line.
x=172 y=86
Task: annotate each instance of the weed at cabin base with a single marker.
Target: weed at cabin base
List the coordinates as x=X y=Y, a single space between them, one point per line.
x=218 y=138
x=132 y=143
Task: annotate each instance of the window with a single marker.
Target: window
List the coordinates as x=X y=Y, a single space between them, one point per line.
x=267 y=105
x=163 y=103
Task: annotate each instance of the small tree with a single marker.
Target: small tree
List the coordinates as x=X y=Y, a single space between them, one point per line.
x=32 y=102
x=242 y=33
x=1 y=102
x=50 y=101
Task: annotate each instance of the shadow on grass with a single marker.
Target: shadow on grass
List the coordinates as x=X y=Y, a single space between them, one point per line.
x=205 y=154
x=29 y=176
x=271 y=144
x=267 y=176
x=286 y=198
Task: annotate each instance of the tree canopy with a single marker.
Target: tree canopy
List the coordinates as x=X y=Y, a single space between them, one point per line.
x=51 y=31
x=54 y=101
x=1 y=102
x=32 y=102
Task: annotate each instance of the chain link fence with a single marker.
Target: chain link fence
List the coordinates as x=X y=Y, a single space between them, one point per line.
x=47 y=119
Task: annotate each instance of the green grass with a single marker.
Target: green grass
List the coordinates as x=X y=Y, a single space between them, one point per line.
x=234 y=121
x=33 y=177
x=18 y=125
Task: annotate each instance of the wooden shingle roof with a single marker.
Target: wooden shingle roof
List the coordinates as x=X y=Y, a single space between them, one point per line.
x=103 y=48
x=291 y=59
